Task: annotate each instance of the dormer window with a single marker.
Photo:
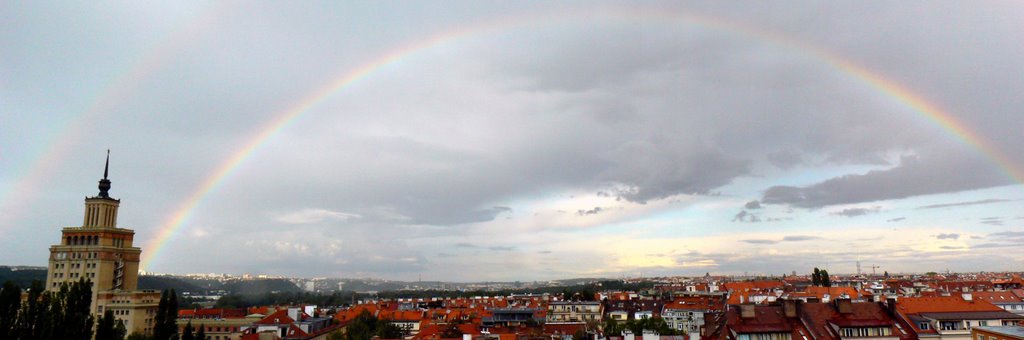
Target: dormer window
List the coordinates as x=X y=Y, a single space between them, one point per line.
x=923 y=326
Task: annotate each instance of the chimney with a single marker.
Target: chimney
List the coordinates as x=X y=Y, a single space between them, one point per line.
x=844 y=306
x=890 y=304
x=747 y=311
x=789 y=308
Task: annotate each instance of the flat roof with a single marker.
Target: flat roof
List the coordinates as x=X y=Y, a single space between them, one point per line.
x=1014 y=331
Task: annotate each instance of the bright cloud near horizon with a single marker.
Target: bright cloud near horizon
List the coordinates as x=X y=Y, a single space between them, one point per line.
x=520 y=141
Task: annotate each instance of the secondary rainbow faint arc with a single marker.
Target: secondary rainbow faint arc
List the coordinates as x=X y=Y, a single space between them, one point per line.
x=73 y=129
x=917 y=103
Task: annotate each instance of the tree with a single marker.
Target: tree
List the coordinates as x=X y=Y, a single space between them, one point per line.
x=10 y=303
x=387 y=330
x=137 y=336
x=201 y=333
x=611 y=327
x=105 y=326
x=165 y=326
x=119 y=330
x=30 y=317
x=74 y=304
x=826 y=281
x=816 y=277
x=886 y=274
x=186 y=334
x=452 y=331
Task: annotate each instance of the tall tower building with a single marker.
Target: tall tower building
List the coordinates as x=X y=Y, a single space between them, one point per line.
x=102 y=253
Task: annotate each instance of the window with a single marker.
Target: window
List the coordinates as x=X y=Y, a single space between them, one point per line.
x=951 y=325
x=923 y=326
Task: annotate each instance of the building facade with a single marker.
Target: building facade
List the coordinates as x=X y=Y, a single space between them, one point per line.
x=103 y=254
x=574 y=311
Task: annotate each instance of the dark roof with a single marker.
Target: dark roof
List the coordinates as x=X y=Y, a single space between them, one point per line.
x=993 y=315
x=821 y=316
x=767 y=319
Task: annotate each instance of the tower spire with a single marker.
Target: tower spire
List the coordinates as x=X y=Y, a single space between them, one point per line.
x=105 y=183
x=107 y=165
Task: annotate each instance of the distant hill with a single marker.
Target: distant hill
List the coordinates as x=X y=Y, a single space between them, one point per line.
x=246 y=287
x=166 y=282
x=22 y=276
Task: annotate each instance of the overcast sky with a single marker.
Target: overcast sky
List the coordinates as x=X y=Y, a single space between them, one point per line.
x=520 y=141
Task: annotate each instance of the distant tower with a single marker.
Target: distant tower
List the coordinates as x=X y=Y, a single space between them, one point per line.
x=858 y=267
x=102 y=253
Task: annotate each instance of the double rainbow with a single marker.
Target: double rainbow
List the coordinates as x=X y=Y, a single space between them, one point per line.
x=916 y=103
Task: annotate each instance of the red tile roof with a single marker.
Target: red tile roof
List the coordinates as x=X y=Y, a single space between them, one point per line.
x=997 y=297
x=914 y=305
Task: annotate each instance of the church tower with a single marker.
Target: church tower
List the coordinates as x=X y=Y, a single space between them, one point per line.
x=103 y=254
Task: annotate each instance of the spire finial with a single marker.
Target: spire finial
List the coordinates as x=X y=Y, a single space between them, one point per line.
x=106 y=166
x=105 y=183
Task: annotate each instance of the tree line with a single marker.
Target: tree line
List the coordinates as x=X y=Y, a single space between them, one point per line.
x=65 y=314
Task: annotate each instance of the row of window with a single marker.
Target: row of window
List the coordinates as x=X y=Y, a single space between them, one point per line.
x=76 y=255
x=82 y=240
x=866 y=331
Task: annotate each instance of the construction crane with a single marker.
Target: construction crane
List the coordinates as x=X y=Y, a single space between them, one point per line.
x=873 y=267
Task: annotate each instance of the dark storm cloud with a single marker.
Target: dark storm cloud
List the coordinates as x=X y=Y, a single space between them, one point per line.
x=913 y=176
x=960 y=204
x=457 y=134
x=785 y=159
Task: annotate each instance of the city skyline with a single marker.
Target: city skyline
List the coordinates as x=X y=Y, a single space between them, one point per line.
x=477 y=142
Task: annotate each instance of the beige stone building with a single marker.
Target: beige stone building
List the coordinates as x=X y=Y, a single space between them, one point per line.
x=103 y=254
x=574 y=311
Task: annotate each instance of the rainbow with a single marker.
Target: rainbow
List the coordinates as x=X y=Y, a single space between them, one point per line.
x=916 y=103
x=74 y=130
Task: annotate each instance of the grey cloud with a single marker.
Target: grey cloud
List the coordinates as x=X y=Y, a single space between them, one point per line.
x=1008 y=234
x=853 y=212
x=744 y=216
x=594 y=211
x=994 y=245
x=896 y=219
x=951 y=247
x=785 y=159
x=658 y=108
x=502 y=248
x=960 y=204
x=950 y=236
x=795 y=238
x=912 y=177
x=757 y=241
x=752 y=205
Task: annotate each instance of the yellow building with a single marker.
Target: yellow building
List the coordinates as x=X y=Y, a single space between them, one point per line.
x=102 y=253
